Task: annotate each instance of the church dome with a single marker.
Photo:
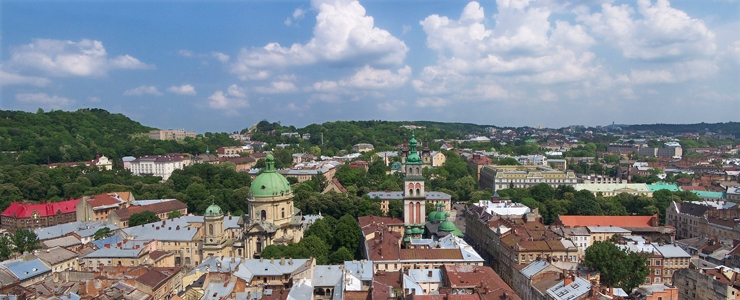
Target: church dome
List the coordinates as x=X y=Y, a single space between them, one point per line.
x=270 y=183
x=447 y=226
x=214 y=210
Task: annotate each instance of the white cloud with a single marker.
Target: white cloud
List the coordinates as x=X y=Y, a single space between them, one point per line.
x=234 y=97
x=477 y=61
x=186 y=89
x=142 y=90
x=432 y=102
x=674 y=73
x=297 y=15
x=343 y=35
x=45 y=101
x=391 y=105
x=663 y=32
x=220 y=56
x=277 y=87
x=367 y=79
x=68 y=58
x=15 y=79
x=185 y=53
x=93 y=99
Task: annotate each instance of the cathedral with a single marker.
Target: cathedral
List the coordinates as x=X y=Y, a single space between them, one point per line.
x=272 y=218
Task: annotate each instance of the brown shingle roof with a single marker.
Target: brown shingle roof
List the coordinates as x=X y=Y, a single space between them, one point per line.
x=618 y=221
x=157 y=208
x=431 y=254
x=102 y=200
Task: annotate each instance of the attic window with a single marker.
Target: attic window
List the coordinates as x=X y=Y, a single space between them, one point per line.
x=263 y=187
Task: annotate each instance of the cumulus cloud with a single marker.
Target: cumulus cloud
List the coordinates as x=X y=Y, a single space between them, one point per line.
x=142 y=90
x=67 y=58
x=343 y=35
x=15 y=79
x=220 y=56
x=662 y=32
x=185 y=89
x=45 y=101
x=212 y=55
x=234 y=97
x=481 y=63
x=297 y=15
x=277 y=87
x=366 y=81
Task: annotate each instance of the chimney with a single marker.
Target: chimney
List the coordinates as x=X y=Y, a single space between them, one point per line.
x=282 y=261
x=569 y=279
x=107 y=246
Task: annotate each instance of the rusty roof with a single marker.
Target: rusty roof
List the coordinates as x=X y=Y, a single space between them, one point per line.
x=157 y=208
x=431 y=254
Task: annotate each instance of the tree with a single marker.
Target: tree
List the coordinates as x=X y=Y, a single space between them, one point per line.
x=340 y=256
x=142 y=218
x=174 y=214
x=102 y=233
x=25 y=241
x=618 y=268
x=347 y=234
x=316 y=248
x=6 y=248
x=320 y=229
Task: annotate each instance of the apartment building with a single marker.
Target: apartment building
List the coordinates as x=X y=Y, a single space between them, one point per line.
x=170 y=134
x=504 y=177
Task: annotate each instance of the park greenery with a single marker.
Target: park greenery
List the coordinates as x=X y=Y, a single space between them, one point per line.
x=328 y=240
x=619 y=268
x=19 y=242
x=565 y=200
x=144 y=217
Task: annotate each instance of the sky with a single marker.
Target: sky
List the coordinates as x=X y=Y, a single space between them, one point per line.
x=222 y=66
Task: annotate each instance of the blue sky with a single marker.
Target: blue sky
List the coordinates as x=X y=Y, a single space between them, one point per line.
x=225 y=65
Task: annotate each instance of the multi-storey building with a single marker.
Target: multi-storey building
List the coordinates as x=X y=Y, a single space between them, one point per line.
x=170 y=134
x=510 y=243
x=504 y=177
x=98 y=207
x=670 y=149
x=21 y=215
x=613 y=189
x=707 y=283
x=161 y=166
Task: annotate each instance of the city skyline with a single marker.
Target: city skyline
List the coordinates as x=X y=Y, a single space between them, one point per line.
x=224 y=66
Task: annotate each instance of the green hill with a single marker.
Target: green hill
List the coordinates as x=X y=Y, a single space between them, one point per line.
x=64 y=136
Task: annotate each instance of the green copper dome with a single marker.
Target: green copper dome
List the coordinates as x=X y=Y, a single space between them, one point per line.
x=417 y=231
x=413 y=158
x=409 y=231
x=214 y=210
x=270 y=183
x=432 y=216
x=447 y=226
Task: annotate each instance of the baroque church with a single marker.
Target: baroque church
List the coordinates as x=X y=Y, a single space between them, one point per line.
x=272 y=218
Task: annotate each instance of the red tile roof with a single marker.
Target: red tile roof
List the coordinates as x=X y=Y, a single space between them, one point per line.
x=617 y=221
x=369 y=220
x=384 y=246
x=482 y=279
x=25 y=210
x=102 y=200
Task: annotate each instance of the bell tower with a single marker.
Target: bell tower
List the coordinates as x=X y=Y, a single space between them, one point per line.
x=414 y=200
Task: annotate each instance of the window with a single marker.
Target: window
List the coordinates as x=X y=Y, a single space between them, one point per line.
x=657 y=271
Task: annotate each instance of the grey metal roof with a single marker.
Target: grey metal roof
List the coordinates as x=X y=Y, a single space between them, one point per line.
x=114 y=253
x=64 y=241
x=428 y=275
x=672 y=251
x=83 y=229
x=577 y=288
x=27 y=269
x=362 y=269
x=398 y=195
x=176 y=229
x=327 y=275
x=534 y=268
x=607 y=229
x=218 y=290
x=55 y=255
x=301 y=291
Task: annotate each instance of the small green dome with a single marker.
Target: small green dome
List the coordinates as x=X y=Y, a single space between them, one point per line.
x=439 y=204
x=270 y=183
x=396 y=166
x=214 y=210
x=417 y=231
x=406 y=239
x=413 y=157
x=446 y=215
x=432 y=216
x=447 y=226
x=409 y=231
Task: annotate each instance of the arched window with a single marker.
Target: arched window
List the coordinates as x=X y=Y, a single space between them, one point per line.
x=418 y=212
x=418 y=192
x=411 y=192
x=210 y=229
x=418 y=185
x=411 y=185
x=417 y=171
x=411 y=212
x=282 y=212
x=263 y=215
